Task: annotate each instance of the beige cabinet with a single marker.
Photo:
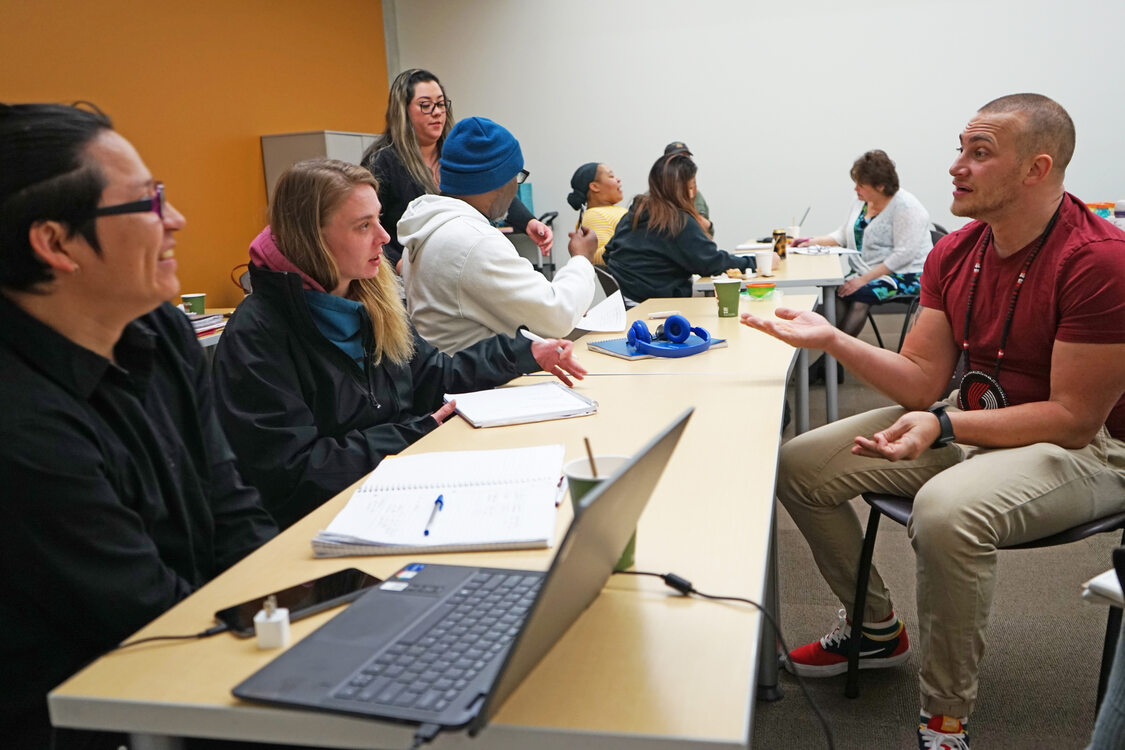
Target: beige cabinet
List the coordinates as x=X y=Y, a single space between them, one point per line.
x=281 y=151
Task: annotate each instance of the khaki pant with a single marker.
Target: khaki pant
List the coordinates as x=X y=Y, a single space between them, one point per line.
x=968 y=501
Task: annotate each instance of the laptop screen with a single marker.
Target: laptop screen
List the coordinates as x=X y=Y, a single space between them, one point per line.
x=584 y=562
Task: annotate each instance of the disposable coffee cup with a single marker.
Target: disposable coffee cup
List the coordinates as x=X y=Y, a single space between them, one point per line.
x=580 y=479
x=194 y=303
x=793 y=232
x=726 y=292
x=764 y=259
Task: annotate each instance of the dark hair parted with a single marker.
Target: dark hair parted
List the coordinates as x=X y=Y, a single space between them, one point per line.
x=45 y=175
x=876 y=169
x=399 y=132
x=668 y=197
x=1046 y=128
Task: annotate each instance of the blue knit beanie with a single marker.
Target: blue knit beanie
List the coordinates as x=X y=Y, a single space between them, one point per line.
x=478 y=156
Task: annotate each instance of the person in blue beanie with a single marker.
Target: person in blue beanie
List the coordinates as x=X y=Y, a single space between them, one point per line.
x=464 y=280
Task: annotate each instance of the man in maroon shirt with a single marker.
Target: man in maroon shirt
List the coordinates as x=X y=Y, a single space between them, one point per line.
x=1025 y=308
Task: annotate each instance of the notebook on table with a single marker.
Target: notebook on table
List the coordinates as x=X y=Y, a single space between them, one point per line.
x=492 y=499
x=443 y=646
x=519 y=404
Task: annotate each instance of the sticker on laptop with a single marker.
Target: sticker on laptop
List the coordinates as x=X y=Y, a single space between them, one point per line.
x=394 y=585
x=415 y=567
x=406 y=574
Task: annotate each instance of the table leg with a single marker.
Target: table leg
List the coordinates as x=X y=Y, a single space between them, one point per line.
x=154 y=742
x=831 y=402
x=802 y=391
x=768 y=689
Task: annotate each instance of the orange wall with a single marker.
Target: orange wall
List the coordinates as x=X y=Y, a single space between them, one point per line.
x=193 y=84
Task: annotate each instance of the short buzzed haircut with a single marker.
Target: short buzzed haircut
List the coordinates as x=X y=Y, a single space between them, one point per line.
x=1047 y=127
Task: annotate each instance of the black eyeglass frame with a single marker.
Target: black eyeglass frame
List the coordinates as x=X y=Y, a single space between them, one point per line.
x=521 y=176
x=154 y=204
x=428 y=107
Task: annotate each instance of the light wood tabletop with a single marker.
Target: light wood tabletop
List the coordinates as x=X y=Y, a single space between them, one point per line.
x=642 y=667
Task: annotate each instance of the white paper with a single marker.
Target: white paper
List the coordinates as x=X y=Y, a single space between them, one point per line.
x=606 y=316
x=1104 y=588
x=823 y=250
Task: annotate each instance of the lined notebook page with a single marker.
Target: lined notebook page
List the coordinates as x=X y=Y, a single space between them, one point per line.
x=490 y=499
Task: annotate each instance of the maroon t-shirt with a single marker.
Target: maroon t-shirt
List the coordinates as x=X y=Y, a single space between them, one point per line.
x=1075 y=292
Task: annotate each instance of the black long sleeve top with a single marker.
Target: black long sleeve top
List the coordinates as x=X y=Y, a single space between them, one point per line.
x=657 y=264
x=120 y=496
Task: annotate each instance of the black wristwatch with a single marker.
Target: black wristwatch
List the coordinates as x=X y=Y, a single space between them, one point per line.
x=946 y=436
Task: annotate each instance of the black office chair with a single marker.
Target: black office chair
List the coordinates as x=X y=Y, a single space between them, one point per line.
x=897 y=508
x=911 y=300
x=547 y=265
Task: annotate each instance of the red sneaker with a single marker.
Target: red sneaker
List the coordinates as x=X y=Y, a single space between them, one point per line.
x=880 y=647
x=942 y=733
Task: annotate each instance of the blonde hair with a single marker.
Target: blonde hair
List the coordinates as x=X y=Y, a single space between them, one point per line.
x=305 y=198
x=399 y=132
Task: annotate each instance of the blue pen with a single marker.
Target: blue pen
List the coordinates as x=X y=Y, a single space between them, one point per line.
x=438 y=505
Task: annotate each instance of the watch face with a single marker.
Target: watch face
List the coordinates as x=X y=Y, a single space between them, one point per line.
x=980 y=390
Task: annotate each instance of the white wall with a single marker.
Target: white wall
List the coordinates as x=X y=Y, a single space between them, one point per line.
x=775 y=99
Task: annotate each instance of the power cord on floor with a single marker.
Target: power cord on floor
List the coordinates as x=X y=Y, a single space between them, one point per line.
x=686 y=588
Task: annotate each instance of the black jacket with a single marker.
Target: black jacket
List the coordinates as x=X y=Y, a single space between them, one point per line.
x=305 y=420
x=397 y=187
x=655 y=264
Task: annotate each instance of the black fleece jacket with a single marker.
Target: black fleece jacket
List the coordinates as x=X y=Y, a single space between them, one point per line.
x=305 y=420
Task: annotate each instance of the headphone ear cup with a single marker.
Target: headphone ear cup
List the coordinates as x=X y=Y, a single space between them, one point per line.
x=677 y=329
x=639 y=332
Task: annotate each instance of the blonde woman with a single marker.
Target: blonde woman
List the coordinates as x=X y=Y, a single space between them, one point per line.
x=405 y=159
x=319 y=374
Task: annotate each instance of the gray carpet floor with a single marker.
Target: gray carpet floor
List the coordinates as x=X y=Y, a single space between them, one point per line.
x=1039 y=675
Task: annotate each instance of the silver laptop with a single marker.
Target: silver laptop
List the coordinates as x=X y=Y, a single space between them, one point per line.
x=445 y=645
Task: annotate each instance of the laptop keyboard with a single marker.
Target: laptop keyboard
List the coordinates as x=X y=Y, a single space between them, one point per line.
x=429 y=669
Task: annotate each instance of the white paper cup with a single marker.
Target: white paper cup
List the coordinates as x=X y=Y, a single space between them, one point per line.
x=764 y=259
x=194 y=303
x=793 y=232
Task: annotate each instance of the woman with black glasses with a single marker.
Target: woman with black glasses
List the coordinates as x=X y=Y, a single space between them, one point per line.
x=405 y=158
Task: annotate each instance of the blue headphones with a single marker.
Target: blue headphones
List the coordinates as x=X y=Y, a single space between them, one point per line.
x=675 y=338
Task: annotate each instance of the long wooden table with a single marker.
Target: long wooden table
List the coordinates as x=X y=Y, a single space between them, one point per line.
x=825 y=272
x=642 y=668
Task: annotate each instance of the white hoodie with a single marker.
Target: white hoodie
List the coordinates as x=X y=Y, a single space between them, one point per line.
x=464 y=280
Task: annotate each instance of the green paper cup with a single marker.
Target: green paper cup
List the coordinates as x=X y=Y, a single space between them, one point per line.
x=194 y=303
x=726 y=292
x=581 y=480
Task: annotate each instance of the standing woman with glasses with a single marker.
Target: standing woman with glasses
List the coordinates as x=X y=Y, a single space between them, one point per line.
x=405 y=158
x=661 y=242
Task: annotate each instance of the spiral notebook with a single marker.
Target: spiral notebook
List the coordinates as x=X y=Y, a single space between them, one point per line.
x=495 y=499
x=519 y=404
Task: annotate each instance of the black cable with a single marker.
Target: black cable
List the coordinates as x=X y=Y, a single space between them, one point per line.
x=686 y=588
x=215 y=630
x=424 y=734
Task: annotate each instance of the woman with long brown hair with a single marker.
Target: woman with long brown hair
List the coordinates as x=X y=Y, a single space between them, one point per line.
x=319 y=374
x=405 y=159
x=661 y=242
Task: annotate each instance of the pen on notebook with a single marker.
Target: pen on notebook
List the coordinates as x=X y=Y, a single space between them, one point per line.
x=528 y=334
x=438 y=505
x=560 y=490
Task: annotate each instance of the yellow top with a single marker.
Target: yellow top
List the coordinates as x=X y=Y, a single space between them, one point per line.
x=603 y=220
